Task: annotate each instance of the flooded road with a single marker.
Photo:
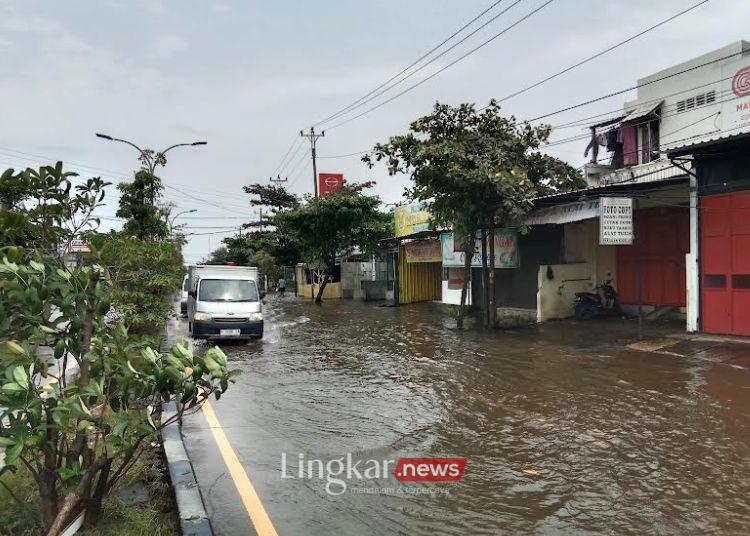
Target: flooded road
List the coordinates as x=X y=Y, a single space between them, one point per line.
x=565 y=430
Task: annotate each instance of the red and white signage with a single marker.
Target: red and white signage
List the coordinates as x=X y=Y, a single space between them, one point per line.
x=78 y=246
x=735 y=111
x=329 y=182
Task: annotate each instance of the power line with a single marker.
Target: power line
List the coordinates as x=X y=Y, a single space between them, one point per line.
x=288 y=151
x=346 y=155
x=472 y=51
x=584 y=122
x=375 y=93
x=603 y=52
x=631 y=88
x=663 y=116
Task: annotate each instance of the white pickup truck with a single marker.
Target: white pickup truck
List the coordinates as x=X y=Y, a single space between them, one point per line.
x=224 y=302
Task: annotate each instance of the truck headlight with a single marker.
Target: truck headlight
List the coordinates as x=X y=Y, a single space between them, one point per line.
x=256 y=316
x=201 y=317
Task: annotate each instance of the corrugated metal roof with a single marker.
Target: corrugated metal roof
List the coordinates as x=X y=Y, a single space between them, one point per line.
x=610 y=189
x=642 y=111
x=702 y=140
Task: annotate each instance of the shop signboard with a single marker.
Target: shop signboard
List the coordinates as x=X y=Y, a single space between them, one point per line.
x=78 y=246
x=568 y=213
x=423 y=251
x=735 y=110
x=616 y=221
x=410 y=219
x=329 y=182
x=506 y=250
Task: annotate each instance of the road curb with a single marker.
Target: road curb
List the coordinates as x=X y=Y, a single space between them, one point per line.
x=192 y=512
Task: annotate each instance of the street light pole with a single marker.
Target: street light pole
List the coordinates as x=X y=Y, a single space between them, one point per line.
x=174 y=218
x=148 y=157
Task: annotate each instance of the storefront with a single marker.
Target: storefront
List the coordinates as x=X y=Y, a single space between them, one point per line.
x=723 y=217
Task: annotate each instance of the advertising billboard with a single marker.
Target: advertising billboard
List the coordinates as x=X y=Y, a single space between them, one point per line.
x=506 y=250
x=410 y=219
x=329 y=182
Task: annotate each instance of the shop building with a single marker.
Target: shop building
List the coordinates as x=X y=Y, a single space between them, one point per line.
x=679 y=152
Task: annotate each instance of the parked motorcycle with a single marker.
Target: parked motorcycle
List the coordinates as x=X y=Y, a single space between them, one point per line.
x=601 y=302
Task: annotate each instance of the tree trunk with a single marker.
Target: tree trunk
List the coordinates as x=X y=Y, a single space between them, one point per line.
x=47 y=496
x=74 y=502
x=468 y=255
x=485 y=292
x=491 y=285
x=321 y=288
x=94 y=507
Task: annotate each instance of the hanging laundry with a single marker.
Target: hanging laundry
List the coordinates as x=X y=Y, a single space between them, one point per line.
x=611 y=142
x=593 y=146
x=629 y=144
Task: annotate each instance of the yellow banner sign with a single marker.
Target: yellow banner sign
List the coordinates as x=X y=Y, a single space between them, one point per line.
x=411 y=219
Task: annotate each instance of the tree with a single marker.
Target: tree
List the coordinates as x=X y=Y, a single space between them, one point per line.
x=261 y=239
x=474 y=171
x=144 y=275
x=138 y=205
x=43 y=210
x=333 y=225
x=271 y=196
x=78 y=438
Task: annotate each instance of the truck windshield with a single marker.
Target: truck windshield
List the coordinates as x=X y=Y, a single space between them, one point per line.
x=228 y=290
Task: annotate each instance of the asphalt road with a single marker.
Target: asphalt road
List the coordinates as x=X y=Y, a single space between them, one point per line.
x=565 y=429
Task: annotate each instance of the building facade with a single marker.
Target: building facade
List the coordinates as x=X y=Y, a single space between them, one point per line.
x=679 y=152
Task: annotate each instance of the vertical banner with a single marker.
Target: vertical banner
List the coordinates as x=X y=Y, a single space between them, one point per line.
x=616 y=221
x=329 y=182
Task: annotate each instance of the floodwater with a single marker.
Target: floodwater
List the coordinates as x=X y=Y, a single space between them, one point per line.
x=611 y=440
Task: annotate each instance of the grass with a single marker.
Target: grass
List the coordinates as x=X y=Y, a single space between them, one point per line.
x=153 y=518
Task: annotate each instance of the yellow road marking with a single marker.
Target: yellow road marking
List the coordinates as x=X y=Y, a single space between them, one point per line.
x=251 y=500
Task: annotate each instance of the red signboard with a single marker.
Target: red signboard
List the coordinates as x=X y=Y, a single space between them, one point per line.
x=329 y=182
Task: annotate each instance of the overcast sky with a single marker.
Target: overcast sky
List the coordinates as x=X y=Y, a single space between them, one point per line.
x=246 y=76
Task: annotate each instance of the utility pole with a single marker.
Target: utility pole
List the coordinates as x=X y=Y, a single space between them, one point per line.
x=278 y=179
x=313 y=140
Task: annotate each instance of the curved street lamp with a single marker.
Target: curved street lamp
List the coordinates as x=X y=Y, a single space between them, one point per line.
x=174 y=218
x=148 y=157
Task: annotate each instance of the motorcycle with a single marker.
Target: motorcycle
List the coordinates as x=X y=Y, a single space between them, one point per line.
x=601 y=302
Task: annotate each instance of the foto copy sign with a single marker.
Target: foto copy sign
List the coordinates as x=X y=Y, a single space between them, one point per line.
x=616 y=221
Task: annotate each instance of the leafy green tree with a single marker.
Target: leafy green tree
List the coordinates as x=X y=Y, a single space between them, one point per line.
x=273 y=196
x=261 y=239
x=265 y=262
x=78 y=438
x=139 y=207
x=78 y=435
x=474 y=170
x=333 y=225
x=42 y=209
x=144 y=275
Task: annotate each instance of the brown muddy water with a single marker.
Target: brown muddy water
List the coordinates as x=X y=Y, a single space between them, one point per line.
x=613 y=440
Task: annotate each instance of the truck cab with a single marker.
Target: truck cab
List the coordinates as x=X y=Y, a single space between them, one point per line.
x=224 y=303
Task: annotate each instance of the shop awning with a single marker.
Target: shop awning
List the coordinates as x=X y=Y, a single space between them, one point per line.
x=568 y=213
x=642 y=111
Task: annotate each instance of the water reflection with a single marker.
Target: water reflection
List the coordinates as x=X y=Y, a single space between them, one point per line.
x=613 y=440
